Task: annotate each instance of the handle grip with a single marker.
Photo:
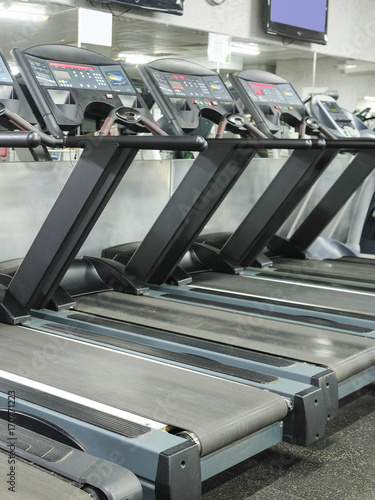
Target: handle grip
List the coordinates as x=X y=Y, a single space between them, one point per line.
x=129 y=116
x=19 y=139
x=24 y=125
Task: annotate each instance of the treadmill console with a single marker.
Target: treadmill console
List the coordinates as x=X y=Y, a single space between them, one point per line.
x=339 y=121
x=185 y=91
x=71 y=83
x=12 y=97
x=269 y=99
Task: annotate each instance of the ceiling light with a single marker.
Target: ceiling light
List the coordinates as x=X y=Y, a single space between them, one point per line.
x=357 y=68
x=346 y=68
x=23 y=16
x=135 y=58
x=23 y=12
x=250 y=49
x=369 y=98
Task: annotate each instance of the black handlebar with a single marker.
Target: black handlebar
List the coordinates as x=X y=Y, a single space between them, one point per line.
x=36 y=137
x=22 y=124
x=354 y=143
x=276 y=143
x=19 y=139
x=172 y=143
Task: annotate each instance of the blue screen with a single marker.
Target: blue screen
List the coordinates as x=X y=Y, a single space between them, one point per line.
x=308 y=14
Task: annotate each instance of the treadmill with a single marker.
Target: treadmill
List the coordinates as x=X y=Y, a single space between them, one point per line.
x=187 y=329
x=259 y=290
x=294 y=251
x=82 y=271
x=189 y=424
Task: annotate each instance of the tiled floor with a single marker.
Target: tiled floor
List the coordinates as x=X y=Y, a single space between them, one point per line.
x=339 y=467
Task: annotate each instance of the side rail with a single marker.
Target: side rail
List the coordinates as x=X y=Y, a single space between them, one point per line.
x=97 y=477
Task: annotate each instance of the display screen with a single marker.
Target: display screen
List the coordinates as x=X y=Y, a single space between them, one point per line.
x=264 y=92
x=41 y=71
x=174 y=84
x=70 y=75
x=80 y=76
x=4 y=73
x=332 y=107
x=187 y=85
x=269 y=93
x=162 y=83
x=117 y=79
x=217 y=87
x=301 y=19
x=168 y=6
x=308 y=14
x=290 y=95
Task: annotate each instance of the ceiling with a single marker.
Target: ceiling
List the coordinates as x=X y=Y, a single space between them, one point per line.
x=129 y=34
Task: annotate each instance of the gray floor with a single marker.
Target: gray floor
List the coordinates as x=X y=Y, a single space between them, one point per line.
x=339 y=467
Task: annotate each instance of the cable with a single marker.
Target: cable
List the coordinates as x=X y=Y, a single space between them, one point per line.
x=287 y=41
x=92 y=3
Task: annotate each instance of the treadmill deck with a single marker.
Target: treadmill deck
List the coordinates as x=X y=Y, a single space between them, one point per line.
x=343 y=353
x=363 y=272
x=218 y=411
x=310 y=295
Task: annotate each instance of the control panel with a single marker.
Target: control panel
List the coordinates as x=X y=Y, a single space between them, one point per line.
x=12 y=97
x=269 y=99
x=339 y=121
x=71 y=84
x=185 y=92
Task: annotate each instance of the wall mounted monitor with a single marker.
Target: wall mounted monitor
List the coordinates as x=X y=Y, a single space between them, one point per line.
x=304 y=20
x=168 y=6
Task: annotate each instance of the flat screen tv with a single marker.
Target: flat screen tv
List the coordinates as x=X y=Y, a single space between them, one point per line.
x=168 y=6
x=304 y=20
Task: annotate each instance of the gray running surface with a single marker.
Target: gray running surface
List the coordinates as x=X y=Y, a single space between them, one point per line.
x=218 y=411
x=343 y=353
x=348 y=302
x=329 y=268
